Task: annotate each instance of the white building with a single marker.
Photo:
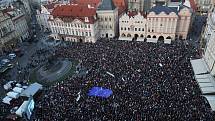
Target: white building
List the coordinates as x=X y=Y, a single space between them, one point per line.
x=43 y=14
x=132 y=26
x=75 y=23
x=108 y=19
x=161 y=23
x=209 y=36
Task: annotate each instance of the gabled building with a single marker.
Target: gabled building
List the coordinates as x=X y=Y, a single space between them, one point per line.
x=160 y=23
x=75 y=23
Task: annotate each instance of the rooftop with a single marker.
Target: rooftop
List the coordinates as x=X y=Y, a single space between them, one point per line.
x=107 y=5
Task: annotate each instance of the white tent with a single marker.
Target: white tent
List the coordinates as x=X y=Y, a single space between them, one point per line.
x=7 y=100
x=18 y=89
x=22 y=108
x=211 y=100
x=13 y=95
x=8 y=85
x=153 y=40
x=199 y=66
x=31 y=90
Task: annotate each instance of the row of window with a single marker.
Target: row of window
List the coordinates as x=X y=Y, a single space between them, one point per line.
x=105 y=19
x=135 y=29
x=70 y=25
x=134 y=22
x=106 y=27
x=70 y=32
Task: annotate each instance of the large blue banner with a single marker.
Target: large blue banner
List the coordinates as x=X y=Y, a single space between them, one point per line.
x=100 y=92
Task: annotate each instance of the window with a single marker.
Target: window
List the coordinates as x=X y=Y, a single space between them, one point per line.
x=109 y=19
x=152 y=30
x=135 y=29
x=86 y=33
x=75 y=25
x=161 y=25
x=149 y=30
x=128 y=29
x=139 y=29
x=125 y=28
x=88 y=26
x=142 y=29
x=89 y=33
x=121 y=28
x=105 y=19
x=110 y=27
x=78 y=25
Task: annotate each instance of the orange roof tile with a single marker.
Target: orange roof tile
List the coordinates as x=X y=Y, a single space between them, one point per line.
x=75 y=12
x=93 y=3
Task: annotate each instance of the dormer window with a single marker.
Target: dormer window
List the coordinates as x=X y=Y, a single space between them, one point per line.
x=86 y=19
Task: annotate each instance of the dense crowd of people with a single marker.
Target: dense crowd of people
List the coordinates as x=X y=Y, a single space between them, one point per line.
x=150 y=82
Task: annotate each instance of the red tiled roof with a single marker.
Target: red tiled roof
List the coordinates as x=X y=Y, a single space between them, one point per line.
x=93 y=3
x=50 y=5
x=68 y=12
x=121 y=4
x=134 y=13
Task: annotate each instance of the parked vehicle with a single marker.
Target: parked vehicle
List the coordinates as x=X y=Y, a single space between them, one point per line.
x=10 y=66
x=12 y=56
x=5 y=61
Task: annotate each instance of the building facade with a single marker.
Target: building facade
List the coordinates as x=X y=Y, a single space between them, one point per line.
x=204 y=5
x=132 y=26
x=74 y=23
x=43 y=14
x=136 y=5
x=108 y=19
x=20 y=24
x=161 y=23
x=7 y=33
x=209 y=37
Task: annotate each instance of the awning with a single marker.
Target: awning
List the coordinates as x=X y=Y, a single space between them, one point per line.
x=206 y=83
x=167 y=41
x=199 y=66
x=31 y=90
x=125 y=38
x=211 y=101
x=140 y=39
x=153 y=40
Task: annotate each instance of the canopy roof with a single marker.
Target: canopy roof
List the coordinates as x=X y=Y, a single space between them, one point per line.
x=31 y=90
x=206 y=83
x=22 y=108
x=211 y=100
x=199 y=66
